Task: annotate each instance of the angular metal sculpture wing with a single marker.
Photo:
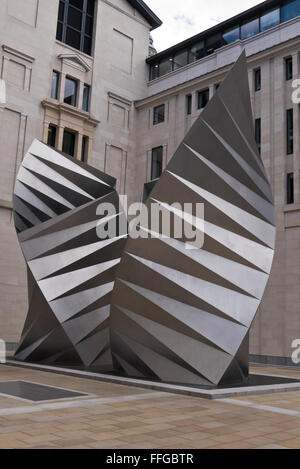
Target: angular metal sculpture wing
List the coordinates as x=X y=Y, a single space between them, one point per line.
x=183 y=315
x=71 y=272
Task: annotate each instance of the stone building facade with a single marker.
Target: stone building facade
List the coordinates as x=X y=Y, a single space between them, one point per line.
x=96 y=100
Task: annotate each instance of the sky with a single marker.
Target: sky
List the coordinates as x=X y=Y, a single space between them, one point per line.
x=183 y=19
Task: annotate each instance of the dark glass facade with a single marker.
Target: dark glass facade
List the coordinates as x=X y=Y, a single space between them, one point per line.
x=76 y=23
x=242 y=30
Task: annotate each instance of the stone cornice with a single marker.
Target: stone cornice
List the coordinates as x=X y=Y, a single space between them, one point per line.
x=62 y=107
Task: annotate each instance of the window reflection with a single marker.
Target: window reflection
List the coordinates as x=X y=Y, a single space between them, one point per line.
x=197 y=51
x=250 y=29
x=291 y=10
x=270 y=19
x=231 y=35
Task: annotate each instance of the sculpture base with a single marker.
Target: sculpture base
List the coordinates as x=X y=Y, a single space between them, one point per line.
x=256 y=384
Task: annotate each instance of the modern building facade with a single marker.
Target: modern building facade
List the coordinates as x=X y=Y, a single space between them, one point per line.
x=81 y=76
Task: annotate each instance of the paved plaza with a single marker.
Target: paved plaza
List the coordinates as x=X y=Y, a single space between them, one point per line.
x=114 y=416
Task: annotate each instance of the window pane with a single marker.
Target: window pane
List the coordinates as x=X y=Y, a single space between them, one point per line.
x=165 y=66
x=213 y=43
x=154 y=71
x=84 y=148
x=51 y=135
x=87 y=49
x=86 y=98
x=290 y=188
x=74 y=18
x=257 y=79
x=77 y=3
x=69 y=143
x=156 y=167
x=180 y=59
x=250 y=29
x=290 y=131
x=59 y=31
x=291 y=10
x=203 y=98
x=70 y=92
x=158 y=114
x=289 y=68
x=90 y=7
x=197 y=51
x=73 y=38
x=258 y=133
x=189 y=104
x=89 y=25
x=270 y=19
x=54 y=85
x=61 y=10
x=231 y=35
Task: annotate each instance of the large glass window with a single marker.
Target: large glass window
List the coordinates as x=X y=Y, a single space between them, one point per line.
x=70 y=96
x=69 y=143
x=86 y=98
x=158 y=114
x=270 y=19
x=290 y=131
x=231 y=35
x=156 y=164
x=54 y=85
x=75 y=23
x=180 y=59
x=213 y=43
x=197 y=51
x=250 y=28
x=290 y=10
x=154 y=71
x=165 y=66
x=203 y=98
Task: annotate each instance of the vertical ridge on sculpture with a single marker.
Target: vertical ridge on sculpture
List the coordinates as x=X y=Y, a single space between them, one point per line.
x=71 y=271
x=181 y=315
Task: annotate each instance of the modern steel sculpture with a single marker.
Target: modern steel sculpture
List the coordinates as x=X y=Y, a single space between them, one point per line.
x=180 y=315
x=71 y=271
x=166 y=312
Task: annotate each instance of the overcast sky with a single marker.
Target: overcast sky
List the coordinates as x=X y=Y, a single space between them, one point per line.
x=185 y=18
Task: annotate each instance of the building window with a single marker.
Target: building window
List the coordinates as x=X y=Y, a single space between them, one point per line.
x=180 y=59
x=54 y=85
x=257 y=79
x=217 y=86
x=156 y=163
x=290 y=10
x=165 y=66
x=84 y=148
x=203 y=98
x=289 y=68
x=250 y=28
x=154 y=71
x=290 y=188
x=290 y=131
x=158 y=114
x=69 y=143
x=51 y=136
x=258 y=133
x=189 y=104
x=70 y=96
x=231 y=35
x=76 y=23
x=197 y=51
x=213 y=43
x=86 y=98
x=270 y=19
